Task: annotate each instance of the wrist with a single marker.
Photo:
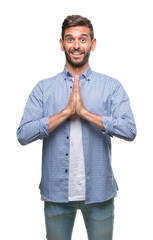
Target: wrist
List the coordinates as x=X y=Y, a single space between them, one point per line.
x=83 y=112
x=67 y=112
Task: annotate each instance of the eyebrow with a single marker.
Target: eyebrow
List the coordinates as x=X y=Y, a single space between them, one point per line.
x=71 y=35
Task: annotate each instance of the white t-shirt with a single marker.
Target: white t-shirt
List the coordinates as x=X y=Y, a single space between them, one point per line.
x=76 y=162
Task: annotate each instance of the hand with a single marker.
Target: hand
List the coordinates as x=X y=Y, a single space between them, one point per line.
x=75 y=104
x=79 y=103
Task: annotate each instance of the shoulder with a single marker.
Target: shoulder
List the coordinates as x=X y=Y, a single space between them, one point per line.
x=48 y=83
x=105 y=80
x=104 y=77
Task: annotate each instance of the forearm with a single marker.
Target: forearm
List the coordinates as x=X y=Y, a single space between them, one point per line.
x=122 y=127
x=31 y=130
x=57 y=119
x=93 y=118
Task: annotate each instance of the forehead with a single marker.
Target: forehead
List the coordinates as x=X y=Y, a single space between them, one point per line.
x=77 y=31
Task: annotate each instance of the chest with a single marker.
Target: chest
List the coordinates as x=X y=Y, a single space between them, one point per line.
x=95 y=98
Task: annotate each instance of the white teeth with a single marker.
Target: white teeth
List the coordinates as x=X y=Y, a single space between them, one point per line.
x=76 y=53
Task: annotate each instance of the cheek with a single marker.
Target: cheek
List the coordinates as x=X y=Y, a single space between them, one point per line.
x=67 y=48
x=87 y=48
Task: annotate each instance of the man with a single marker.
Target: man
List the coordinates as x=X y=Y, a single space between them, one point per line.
x=76 y=113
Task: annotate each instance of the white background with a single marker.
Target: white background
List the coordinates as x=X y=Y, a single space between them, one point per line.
x=29 y=51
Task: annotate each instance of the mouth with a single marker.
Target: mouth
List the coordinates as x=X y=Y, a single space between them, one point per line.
x=76 y=54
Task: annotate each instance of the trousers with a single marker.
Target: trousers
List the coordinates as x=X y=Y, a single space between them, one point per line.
x=98 y=218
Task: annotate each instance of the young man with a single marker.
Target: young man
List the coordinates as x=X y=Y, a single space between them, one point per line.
x=76 y=113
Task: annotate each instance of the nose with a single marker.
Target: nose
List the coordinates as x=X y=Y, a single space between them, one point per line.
x=76 y=44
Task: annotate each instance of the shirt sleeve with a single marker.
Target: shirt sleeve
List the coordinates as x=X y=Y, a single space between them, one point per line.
x=33 y=125
x=121 y=123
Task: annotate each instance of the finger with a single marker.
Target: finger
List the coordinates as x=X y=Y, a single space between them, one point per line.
x=76 y=78
x=74 y=85
x=77 y=82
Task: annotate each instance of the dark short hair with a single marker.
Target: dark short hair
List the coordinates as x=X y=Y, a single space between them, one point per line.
x=77 y=20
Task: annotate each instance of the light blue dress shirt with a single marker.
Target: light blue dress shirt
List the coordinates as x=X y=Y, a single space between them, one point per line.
x=101 y=95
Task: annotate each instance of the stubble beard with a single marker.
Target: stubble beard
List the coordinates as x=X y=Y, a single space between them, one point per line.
x=77 y=64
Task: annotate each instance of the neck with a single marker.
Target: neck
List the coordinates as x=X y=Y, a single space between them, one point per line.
x=76 y=70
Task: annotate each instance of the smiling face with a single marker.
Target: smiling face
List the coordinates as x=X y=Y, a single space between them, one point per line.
x=77 y=45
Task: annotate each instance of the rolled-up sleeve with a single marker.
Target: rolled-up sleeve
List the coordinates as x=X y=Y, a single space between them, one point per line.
x=33 y=125
x=121 y=123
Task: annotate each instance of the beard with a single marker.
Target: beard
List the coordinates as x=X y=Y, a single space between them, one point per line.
x=77 y=64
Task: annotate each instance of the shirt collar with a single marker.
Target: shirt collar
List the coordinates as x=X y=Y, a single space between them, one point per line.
x=87 y=74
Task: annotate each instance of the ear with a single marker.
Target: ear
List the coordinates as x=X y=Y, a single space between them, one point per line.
x=93 y=44
x=61 y=44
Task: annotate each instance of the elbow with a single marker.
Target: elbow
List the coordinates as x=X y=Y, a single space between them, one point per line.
x=21 y=141
x=132 y=137
x=127 y=137
x=130 y=130
x=128 y=134
x=20 y=138
x=132 y=134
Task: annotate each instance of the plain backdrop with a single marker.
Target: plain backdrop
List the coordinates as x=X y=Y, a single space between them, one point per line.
x=29 y=51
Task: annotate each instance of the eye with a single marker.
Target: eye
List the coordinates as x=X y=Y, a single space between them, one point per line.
x=70 y=40
x=83 y=40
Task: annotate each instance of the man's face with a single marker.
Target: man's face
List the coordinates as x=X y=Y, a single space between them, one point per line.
x=77 y=45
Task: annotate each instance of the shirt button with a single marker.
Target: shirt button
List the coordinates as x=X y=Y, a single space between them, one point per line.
x=67 y=154
x=70 y=86
x=66 y=170
x=67 y=137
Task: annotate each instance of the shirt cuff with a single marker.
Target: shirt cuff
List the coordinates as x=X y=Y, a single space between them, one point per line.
x=44 y=123
x=107 y=123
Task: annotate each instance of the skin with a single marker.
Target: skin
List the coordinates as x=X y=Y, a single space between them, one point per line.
x=77 y=45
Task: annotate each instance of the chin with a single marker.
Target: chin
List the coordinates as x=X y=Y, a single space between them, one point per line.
x=77 y=64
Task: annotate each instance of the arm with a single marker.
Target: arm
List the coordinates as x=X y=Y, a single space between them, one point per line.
x=58 y=118
x=93 y=118
x=75 y=105
x=34 y=125
x=82 y=111
x=121 y=124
